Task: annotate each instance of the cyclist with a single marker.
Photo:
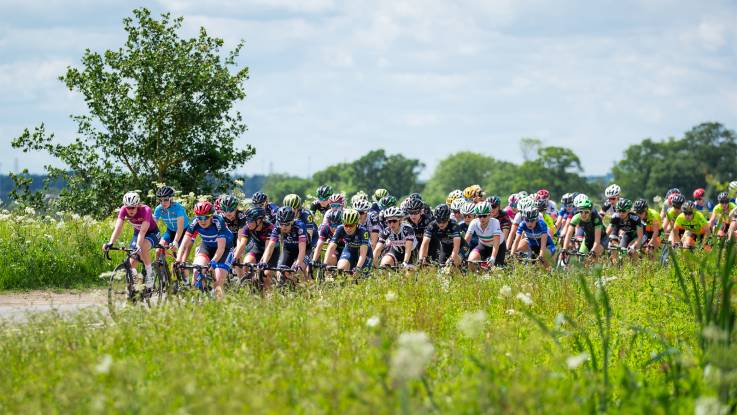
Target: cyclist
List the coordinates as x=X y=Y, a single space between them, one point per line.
x=587 y=227
x=467 y=215
x=698 y=199
x=625 y=227
x=719 y=220
x=304 y=218
x=505 y=222
x=375 y=221
x=441 y=241
x=354 y=240
x=333 y=220
x=550 y=209
x=490 y=237
x=235 y=219
x=145 y=232
x=322 y=204
x=416 y=217
x=455 y=209
x=566 y=213
x=536 y=236
x=398 y=238
x=689 y=225
x=613 y=193
x=454 y=195
x=173 y=215
x=651 y=219
x=216 y=243
x=676 y=201
x=511 y=209
x=668 y=203
x=523 y=204
x=542 y=207
x=473 y=193
x=337 y=203
x=253 y=237
x=260 y=199
x=377 y=196
x=293 y=243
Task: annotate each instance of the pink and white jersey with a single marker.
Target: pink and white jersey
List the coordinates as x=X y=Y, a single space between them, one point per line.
x=143 y=214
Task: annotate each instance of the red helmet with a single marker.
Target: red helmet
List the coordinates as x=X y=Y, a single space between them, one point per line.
x=698 y=193
x=337 y=199
x=543 y=194
x=203 y=208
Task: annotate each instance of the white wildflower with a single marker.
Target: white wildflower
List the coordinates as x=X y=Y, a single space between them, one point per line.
x=709 y=405
x=525 y=298
x=28 y=241
x=60 y=225
x=511 y=312
x=714 y=333
x=485 y=277
x=560 y=319
x=391 y=296
x=573 y=362
x=30 y=211
x=104 y=365
x=238 y=182
x=471 y=324
x=76 y=216
x=712 y=374
x=601 y=282
x=49 y=237
x=411 y=356
x=373 y=321
x=444 y=283
x=60 y=214
x=505 y=291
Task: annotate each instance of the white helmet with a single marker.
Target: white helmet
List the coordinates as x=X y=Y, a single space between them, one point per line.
x=578 y=199
x=733 y=186
x=131 y=199
x=457 y=204
x=455 y=194
x=361 y=205
x=525 y=203
x=522 y=194
x=612 y=191
x=467 y=208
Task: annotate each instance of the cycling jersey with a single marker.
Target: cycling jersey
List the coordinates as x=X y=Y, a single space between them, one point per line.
x=397 y=240
x=359 y=238
x=671 y=215
x=510 y=212
x=210 y=234
x=444 y=236
x=170 y=215
x=255 y=240
x=422 y=224
x=626 y=222
x=504 y=220
x=551 y=209
x=291 y=239
x=143 y=214
x=236 y=224
x=566 y=214
x=326 y=232
x=695 y=224
x=588 y=226
x=317 y=207
x=536 y=233
x=310 y=228
x=651 y=219
x=374 y=224
x=486 y=235
x=271 y=209
x=721 y=214
x=549 y=221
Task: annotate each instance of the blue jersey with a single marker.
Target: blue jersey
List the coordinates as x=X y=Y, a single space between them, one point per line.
x=359 y=238
x=535 y=235
x=170 y=216
x=210 y=235
x=565 y=213
x=291 y=239
x=305 y=215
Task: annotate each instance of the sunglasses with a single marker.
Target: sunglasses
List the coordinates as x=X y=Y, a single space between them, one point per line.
x=164 y=199
x=687 y=213
x=612 y=198
x=131 y=207
x=468 y=216
x=530 y=221
x=482 y=216
x=442 y=222
x=392 y=220
x=349 y=226
x=456 y=211
x=362 y=213
x=203 y=218
x=336 y=205
x=414 y=212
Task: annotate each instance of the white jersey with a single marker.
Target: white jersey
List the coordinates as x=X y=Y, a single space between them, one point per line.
x=486 y=235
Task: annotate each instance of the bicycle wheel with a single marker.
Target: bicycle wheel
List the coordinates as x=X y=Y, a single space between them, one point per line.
x=159 y=291
x=120 y=289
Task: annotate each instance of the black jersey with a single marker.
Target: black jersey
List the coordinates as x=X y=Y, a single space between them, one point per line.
x=316 y=207
x=236 y=224
x=444 y=236
x=397 y=240
x=421 y=225
x=626 y=222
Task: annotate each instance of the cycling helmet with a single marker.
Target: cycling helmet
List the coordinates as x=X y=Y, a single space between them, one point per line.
x=699 y=193
x=583 y=203
x=131 y=199
x=640 y=205
x=362 y=205
x=687 y=207
x=415 y=196
x=293 y=201
x=337 y=199
x=522 y=194
x=387 y=201
x=442 y=213
x=350 y=217
x=334 y=217
x=567 y=199
x=677 y=200
x=457 y=204
x=494 y=201
x=526 y=203
x=723 y=197
x=360 y=195
x=531 y=215
x=473 y=191
x=380 y=194
x=733 y=186
x=543 y=194
x=259 y=198
x=284 y=215
x=455 y=194
x=164 y=191
x=217 y=203
x=482 y=208
x=413 y=205
x=624 y=205
x=541 y=204
x=255 y=213
x=203 y=208
x=579 y=197
x=228 y=203
x=468 y=208
x=392 y=212
x=612 y=191
x=323 y=192
x=512 y=200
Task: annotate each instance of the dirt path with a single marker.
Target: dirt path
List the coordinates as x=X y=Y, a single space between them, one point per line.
x=19 y=305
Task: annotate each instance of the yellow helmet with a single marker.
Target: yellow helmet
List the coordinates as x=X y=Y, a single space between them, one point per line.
x=472 y=191
x=350 y=217
x=455 y=194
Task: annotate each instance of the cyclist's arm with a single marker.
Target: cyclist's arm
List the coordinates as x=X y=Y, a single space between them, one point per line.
x=362 y=252
x=456 y=247
x=675 y=237
x=240 y=247
x=638 y=245
x=407 y=251
x=317 y=250
x=424 y=248
x=513 y=238
x=301 y=255
x=220 y=251
x=567 y=237
x=713 y=218
x=495 y=246
x=377 y=253
x=332 y=246
x=268 y=251
x=183 y=251
x=116 y=232
x=597 y=238
x=142 y=233
x=180 y=231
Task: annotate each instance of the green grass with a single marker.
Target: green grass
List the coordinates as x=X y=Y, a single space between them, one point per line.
x=313 y=351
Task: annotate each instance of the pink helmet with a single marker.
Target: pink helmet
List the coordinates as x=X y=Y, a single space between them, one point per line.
x=543 y=194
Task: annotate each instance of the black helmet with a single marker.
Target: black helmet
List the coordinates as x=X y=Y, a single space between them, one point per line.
x=228 y=203
x=413 y=205
x=164 y=191
x=334 y=217
x=640 y=205
x=259 y=198
x=687 y=207
x=624 y=205
x=677 y=200
x=285 y=214
x=442 y=213
x=567 y=199
x=541 y=204
x=672 y=191
x=494 y=201
x=324 y=192
x=255 y=213
x=531 y=214
x=415 y=196
x=723 y=197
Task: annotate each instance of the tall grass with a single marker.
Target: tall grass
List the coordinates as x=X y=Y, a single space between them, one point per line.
x=398 y=344
x=59 y=251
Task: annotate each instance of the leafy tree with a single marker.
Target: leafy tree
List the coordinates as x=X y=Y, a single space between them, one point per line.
x=529 y=147
x=458 y=171
x=395 y=173
x=160 y=110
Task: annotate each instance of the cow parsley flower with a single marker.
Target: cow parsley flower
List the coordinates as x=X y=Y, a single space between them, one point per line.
x=412 y=354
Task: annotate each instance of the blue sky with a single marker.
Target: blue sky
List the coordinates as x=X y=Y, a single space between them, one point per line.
x=331 y=80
